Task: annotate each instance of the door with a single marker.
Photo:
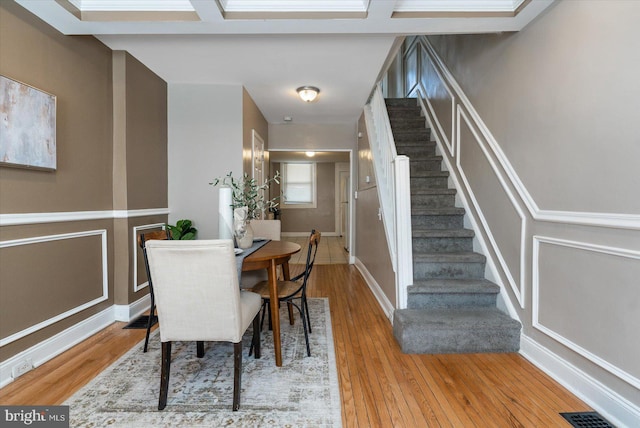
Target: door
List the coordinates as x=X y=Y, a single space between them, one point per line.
x=344 y=180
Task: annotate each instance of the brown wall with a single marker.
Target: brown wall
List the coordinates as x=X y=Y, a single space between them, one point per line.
x=322 y=218
x=252 y=118
x=111 y=155
x=371 y=243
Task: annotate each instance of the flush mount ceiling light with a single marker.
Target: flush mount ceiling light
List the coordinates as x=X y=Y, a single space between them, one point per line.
x=308 y=93
x=310 y=154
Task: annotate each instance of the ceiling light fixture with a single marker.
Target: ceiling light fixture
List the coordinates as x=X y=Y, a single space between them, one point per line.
x=308 y=93
x=310 y=154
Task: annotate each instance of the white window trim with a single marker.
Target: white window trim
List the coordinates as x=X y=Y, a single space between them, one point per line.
x=284 y=205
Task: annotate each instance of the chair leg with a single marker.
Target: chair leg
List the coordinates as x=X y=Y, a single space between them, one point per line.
x=164 y=375
x=304 y=318
x=306 y=308
x=255 y=343
x=200 y=349
x=149 y=322
x=237 y=374
x=291 y=320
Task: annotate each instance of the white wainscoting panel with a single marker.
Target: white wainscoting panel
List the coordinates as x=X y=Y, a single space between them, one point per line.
x=604 y=311
x=517 y=287
x=105 y=278
x=137 y=287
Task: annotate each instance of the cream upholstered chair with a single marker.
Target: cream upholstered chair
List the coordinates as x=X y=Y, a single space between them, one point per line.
x=198 y=298
x=269 y=229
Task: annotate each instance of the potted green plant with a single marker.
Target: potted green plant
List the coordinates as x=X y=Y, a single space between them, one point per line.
x=183 y=229
x=248 y=202
x=246 y=192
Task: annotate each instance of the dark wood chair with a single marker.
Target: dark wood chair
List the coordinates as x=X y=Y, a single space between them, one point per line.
x=142 y=240
x=294 y=291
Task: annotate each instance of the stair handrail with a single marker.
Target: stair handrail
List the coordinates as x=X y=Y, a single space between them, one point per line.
x=393 y=186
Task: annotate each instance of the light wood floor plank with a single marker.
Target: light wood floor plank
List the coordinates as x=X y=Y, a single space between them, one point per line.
x=379 y=385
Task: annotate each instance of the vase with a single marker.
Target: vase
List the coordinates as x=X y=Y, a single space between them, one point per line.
x=242 y=228
x=247 y=240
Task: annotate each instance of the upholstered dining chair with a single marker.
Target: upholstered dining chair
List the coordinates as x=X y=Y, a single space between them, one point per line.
x=198 y=299
x=142 y=240
x=269 y=229
x=294 y=291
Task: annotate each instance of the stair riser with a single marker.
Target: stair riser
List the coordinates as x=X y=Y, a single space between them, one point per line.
x=407 y=123
x=403 y=102
x=423 y=135
x=456 y=341
x=429 y=182
x=433 y=201
x=445 y=270
x=452 y=300
x=416 y=166
x=405 y=113
x=446 y=245
x=423 y=151
x=437 y=221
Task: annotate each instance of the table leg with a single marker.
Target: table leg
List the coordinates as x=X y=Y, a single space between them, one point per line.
x=275 y=312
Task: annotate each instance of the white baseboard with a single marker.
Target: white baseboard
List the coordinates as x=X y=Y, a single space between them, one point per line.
x=385 y=304
x=55 y=345
x=129 y=312
x=618 y=410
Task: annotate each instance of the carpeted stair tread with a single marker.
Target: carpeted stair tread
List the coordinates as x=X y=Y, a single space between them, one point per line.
x=438 y=211
x=457 y=257
x=442 y=233
x=427 y=173
x=431 y=191
x=479 y=286
x=468 y=330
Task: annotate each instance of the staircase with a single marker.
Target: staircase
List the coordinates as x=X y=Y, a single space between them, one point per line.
x=451 y=308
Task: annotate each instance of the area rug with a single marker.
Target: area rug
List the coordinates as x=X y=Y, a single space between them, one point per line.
x=303 y=392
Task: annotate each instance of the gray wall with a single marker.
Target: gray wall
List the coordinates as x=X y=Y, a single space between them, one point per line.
x=539 y=130
x=205 y=142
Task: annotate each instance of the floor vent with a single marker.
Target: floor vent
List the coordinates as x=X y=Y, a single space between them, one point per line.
x=586 y=420
x=141 y=322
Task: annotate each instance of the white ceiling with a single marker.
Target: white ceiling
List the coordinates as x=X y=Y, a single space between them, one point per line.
x=271 y=47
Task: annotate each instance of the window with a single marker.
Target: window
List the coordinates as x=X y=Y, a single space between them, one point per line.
x=299 y=185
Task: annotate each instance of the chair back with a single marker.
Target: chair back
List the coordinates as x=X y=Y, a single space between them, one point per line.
x=142 y=241
x=269 y=229
x=197 y=292
x=314 y=240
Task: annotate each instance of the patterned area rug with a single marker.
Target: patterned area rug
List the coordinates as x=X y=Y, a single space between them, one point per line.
x=302 y=393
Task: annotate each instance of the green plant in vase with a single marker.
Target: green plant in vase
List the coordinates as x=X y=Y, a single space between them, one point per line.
x=247 y=192
x=248 y=202
x=183 y=230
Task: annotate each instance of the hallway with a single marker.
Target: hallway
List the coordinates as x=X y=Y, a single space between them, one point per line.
x=330 y=250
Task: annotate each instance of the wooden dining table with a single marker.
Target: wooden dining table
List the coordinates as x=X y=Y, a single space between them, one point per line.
x=272 y=254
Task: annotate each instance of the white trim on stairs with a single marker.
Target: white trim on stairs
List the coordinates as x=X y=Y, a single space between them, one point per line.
x=382 y=299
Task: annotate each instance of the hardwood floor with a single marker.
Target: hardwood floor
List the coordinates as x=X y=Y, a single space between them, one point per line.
x=379 y=386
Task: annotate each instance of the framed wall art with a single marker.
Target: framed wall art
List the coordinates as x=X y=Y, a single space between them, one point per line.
x=27 y=126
